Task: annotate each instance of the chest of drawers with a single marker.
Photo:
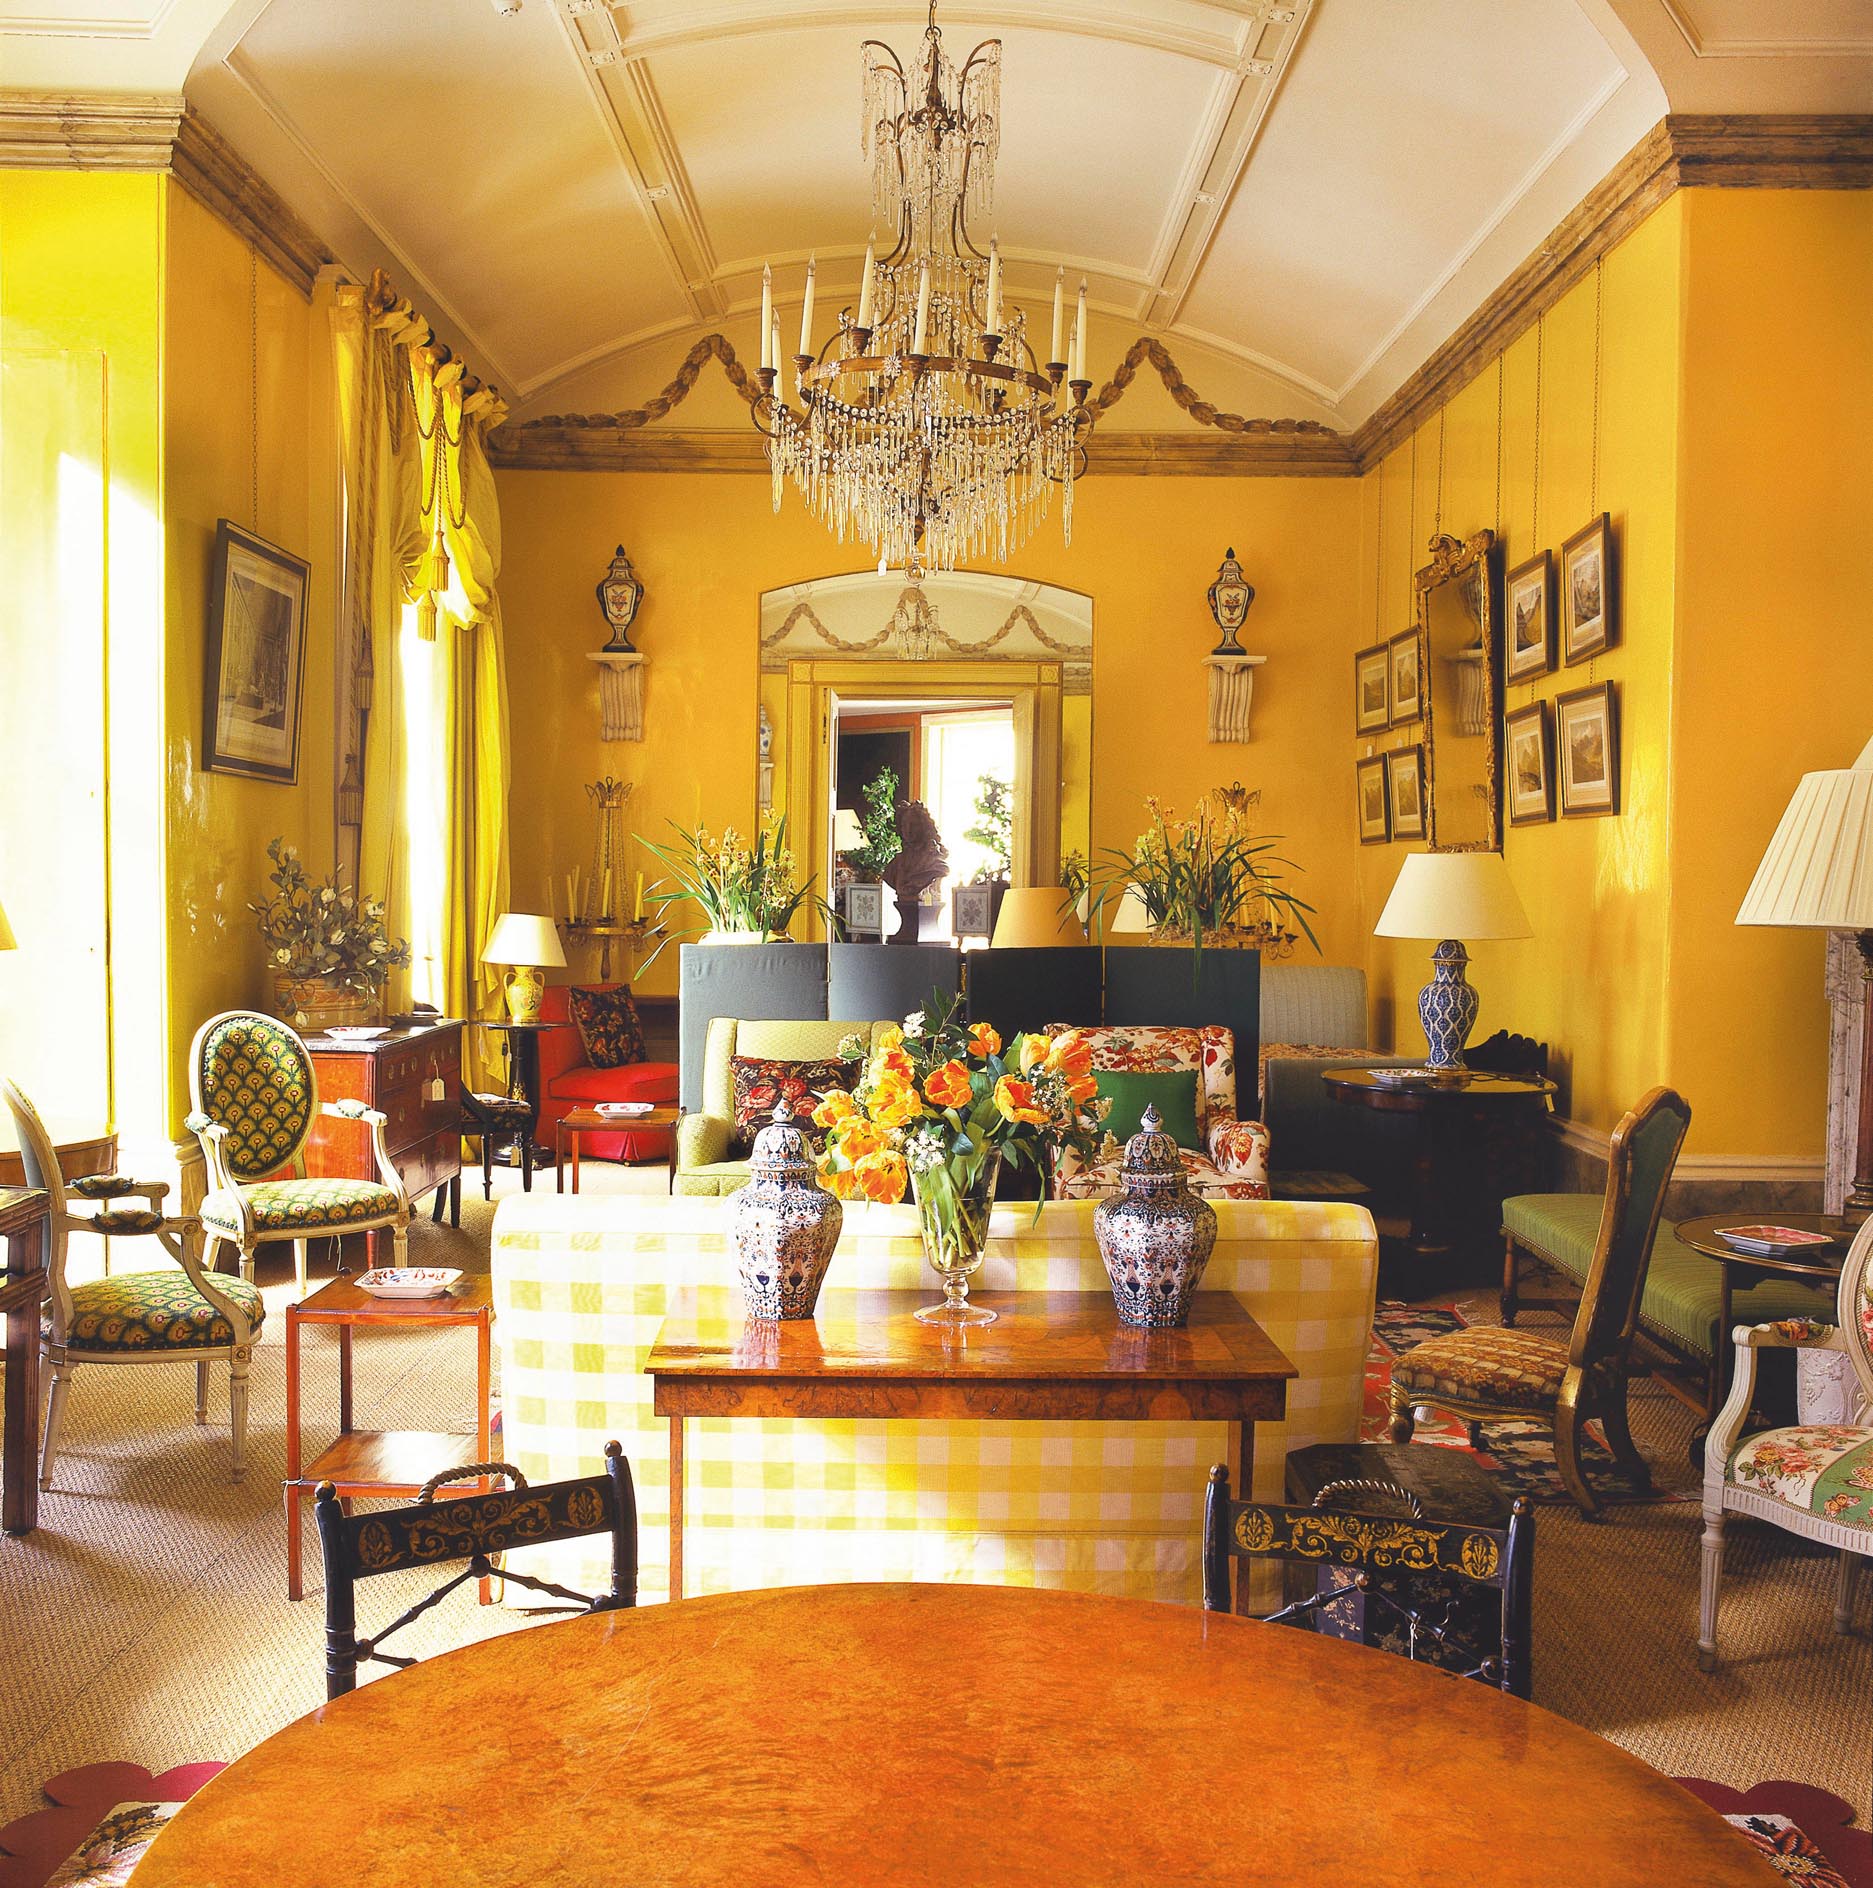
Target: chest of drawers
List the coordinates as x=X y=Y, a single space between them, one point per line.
x=414 y=1076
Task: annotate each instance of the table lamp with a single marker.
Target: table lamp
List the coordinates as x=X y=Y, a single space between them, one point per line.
x=1133 y=916
x=1818 y=872
x=526 y=943
x=1034 y=917
x=1451 y=896
x=848 y=835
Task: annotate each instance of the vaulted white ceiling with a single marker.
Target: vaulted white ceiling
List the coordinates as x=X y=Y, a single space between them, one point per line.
x=1302 y=197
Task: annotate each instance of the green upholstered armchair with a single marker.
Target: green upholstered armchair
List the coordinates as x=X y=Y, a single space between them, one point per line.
x=704 y=1163
x=256 y=1096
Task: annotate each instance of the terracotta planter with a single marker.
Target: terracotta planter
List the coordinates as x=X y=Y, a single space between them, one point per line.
x=311 y=1004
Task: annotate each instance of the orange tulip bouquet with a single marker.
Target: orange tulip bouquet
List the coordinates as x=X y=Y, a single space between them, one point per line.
x=941 y=1105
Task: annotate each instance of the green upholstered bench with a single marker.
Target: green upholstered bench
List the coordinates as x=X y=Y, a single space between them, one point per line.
x=1682 y=1302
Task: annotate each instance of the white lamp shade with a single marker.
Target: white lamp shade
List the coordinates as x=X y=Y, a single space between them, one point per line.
x=524 y=937
x=1454 y=895
x=8 y=942
x=1035 y=916
x=1819 y=866
x=1133 y=915
x=847 y=834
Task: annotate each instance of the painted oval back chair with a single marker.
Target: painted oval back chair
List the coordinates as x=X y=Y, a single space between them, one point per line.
x=154 y=1317
x=1488 y=1374
x=1812 y=1479
x=255 y=1097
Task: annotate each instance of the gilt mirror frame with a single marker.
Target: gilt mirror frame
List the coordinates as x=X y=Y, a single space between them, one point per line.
x=1474 y=562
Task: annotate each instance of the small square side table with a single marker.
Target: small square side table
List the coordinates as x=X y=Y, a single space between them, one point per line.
x=576 y=1123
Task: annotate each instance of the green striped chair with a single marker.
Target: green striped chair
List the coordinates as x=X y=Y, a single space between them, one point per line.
x=255 y=1098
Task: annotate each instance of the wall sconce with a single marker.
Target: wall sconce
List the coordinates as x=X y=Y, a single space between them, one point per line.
x=621 y=666
x=1232 y=669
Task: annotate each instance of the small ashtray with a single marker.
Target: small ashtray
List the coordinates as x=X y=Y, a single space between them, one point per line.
x=409 y=1281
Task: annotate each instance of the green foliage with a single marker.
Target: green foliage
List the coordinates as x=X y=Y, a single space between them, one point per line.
x=878 y=817
x=323 y=930
x=738 y=886
x=994 y=830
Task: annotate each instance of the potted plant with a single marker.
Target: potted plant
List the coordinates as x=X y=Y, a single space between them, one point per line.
x=744 y=889
x=878 y=821
x=328 y=950
x=994 y=832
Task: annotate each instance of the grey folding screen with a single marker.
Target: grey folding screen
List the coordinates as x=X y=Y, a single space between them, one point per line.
x=866 y=982
x=774 y=982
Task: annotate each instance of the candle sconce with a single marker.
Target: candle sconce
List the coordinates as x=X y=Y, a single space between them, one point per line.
x=621 y=665
x=1232 y=668
x=596 y=903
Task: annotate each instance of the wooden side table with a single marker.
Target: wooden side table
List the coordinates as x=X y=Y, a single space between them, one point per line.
x=83 y=1147
x=571 y=1128
x=22 y=1287
x=383 y=1462
x=521 y=1041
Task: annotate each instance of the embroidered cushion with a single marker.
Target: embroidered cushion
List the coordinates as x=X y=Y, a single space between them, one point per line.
x=1789 y=1850
x=300 y=1206
x=607 y=1024
x=1503 y=1369
x=1820 y=1468
x=256 y=1081
x=126 y=1219
x=761 y=1081
x=115 y=1845
x=155 y=1311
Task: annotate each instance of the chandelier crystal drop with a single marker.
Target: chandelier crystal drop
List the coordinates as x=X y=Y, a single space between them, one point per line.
x=927 y=426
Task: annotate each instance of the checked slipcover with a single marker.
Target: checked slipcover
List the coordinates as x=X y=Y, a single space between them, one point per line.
x=155 y=1311
x=300 y=1206
x=256 y=1081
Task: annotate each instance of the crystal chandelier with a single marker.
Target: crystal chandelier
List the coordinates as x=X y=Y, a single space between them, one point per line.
x=927 y=426
x=914 y=621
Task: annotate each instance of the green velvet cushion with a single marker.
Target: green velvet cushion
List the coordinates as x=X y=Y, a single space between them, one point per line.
x=301 y=1206
x=1173 y=1092
x=155 y=1311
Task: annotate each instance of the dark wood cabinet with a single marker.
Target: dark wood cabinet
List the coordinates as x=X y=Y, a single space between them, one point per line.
x=415 y=1077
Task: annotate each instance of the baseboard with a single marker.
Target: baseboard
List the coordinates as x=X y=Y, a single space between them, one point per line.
x=1777 y=1169
x=1704 y=1183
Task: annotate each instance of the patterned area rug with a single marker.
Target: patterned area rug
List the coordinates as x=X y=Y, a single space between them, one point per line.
x=1801 y=1832
x=1520 y=1455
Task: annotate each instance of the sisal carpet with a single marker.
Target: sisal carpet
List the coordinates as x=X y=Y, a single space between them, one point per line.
x=147 y=1618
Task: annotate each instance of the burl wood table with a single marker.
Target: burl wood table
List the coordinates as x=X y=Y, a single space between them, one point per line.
x=22 y=1286
x=1049 y=1356
x=990 y=1737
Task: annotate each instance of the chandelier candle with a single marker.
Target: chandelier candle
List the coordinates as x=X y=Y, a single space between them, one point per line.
x=806 y=312
x=1055 y=359
x=770 y=356
x=867 y=285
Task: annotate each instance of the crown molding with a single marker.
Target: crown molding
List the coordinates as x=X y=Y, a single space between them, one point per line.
x=160 y=131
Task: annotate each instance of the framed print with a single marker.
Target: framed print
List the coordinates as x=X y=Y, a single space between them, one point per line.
x=1372 y=689
x=1404 y=783
x=1530 y=745
x=1375 y=806
x=1589 y=594
x=256 y=657
x=1529 y=595
x=971 y=910
x=1406 y=682
x=1586 y=740
x=864 y=909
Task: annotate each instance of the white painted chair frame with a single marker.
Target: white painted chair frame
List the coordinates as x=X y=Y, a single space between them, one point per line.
x=223 y=1186
x=1849 y=1334
x=174 y=1235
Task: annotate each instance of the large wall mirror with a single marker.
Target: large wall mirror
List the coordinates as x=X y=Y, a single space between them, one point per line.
x=967 y=676
x=1459 y=608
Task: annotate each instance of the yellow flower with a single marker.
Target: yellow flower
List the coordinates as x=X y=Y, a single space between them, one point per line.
x=948 y=1086
x=895 y=1103
x=1015 y=1100
x=1033 y=1052
x=855 y=1137
x=881 y=1177
x=888 y=1038
x=840 y=1182
x=983 y=1040
x=835 y=1106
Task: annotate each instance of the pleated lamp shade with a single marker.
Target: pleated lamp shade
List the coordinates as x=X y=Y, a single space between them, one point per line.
x=1453 y=895
x=525 y=937
x=1035 y=916
x=1819 y=866
x=847 y=833
x=1133 y=915
x=8 y=942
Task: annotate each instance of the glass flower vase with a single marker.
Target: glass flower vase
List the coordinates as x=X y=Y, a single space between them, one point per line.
x=953 y=1217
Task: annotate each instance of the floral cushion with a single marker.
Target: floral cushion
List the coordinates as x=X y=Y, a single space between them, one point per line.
x=1820 y=1468
x=300 y=1206
x=1240 y=1148
x=761 y=1081
x=1103 y=1178
x=1210 y=1049
x=153 y=1311
x=1496 y=1369
x=256 y=1081
x=106 y=1856
x=608 y=1026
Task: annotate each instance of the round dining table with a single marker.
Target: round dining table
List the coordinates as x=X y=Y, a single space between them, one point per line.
x=973 y=1735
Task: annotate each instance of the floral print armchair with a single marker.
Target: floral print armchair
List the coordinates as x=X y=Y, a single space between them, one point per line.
x=1234 y=1164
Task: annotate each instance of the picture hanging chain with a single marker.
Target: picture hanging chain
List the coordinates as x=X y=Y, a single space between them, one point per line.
x=1534 y=524
x=1593 y=499
x=1495 y=517
x=1437 y=522
x=1411 y=547
x=253 y=389
x=1378 y=563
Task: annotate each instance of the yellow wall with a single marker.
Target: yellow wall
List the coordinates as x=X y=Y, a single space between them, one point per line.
x=706 y=546
x=234 y=328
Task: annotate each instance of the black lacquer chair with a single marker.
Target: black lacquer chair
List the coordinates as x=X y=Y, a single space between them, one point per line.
x=1388 y=1557
x=473 y=1528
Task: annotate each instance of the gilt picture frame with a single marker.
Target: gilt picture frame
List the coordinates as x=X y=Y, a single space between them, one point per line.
x=1589 y=593
x=1405 y=678
x=1586 y=741
x=1528 y=616
x=1404 y=790
x=1528 y=748
x=1372 y=689
x=256 y=657
x=1374 y=802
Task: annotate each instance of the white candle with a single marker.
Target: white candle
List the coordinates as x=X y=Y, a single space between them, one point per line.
x=995 y=287
x=922 y=335
x=767 y=313
x=572 y=896
x=866 y=287
x=1060 y=283
x=604 y=903
x=806 y=311
x=1079 y=336
x=638 y=913
x=780 y=391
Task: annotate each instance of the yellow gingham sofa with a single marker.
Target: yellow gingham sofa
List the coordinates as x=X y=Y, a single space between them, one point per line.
x=579 y=1291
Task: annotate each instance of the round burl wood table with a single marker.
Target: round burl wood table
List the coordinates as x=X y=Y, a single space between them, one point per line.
x=985 y=1736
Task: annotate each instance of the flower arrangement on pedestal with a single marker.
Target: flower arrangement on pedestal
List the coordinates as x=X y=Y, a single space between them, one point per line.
x=942 y=1106
x=328 y=950
x=1208 y=878
x=746 y=890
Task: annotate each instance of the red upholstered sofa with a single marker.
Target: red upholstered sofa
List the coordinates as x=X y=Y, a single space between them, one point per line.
x=568 y=1081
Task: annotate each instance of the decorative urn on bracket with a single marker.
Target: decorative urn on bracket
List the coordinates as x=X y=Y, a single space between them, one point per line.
x=1157 y=1236
x=621 y=665
x=1232 y=669
x=786 y=1224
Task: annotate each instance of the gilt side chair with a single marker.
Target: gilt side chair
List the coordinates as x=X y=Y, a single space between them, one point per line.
x=155 y=1317
x=255 y=1096
x=474 y=1528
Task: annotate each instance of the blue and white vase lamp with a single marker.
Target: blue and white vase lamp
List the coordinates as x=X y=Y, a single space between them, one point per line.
x=1451 y=896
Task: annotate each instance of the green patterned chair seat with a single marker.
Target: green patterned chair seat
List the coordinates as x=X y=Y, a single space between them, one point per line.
x=125 y=1219
x=715 y=1178
x=1483 y=1365
x=1682 y=1302
x=1817 y=1468
x=155 y=1311
x=300 y=1206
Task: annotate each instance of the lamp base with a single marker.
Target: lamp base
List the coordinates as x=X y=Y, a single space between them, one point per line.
x=525 y=992
x=1447 y=1007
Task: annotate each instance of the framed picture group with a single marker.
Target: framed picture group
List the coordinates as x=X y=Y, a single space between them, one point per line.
x=1388 y=684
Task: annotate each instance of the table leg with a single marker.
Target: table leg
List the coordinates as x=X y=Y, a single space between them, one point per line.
x=578 y=1136
x=19 y=1450
x=1245 y=1491
x=484 y=1413
x=295 y=1587
x=344 y=1379
x=676 y=1507
x=559 y=1157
